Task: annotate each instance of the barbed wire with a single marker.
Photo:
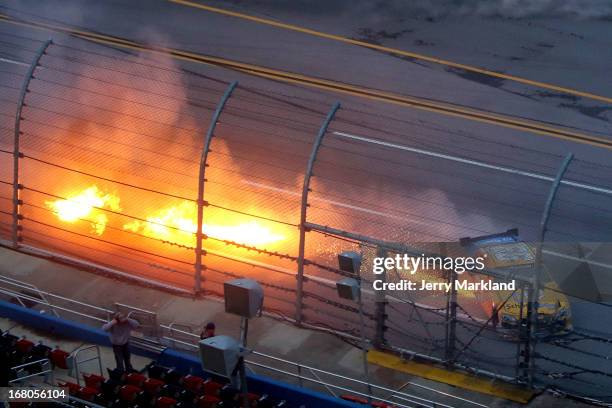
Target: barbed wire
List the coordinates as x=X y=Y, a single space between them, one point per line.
x=115 y=127
x=156 y=191
x=108 y=242
x=395 y=211
x=157 y=67
x=138 y=61
x=152 y=222
x=280 y=122
x=376 y=222
x=263 y=283
x=113 y=141
x=53 y=238
x=560 y=344
x=77 y=61
x=200 y=103
x=586 y=336
x=106 y=179
x=580 y=369
x=107 y=153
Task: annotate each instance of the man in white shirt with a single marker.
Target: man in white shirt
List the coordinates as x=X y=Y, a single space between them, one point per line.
x=119 y=330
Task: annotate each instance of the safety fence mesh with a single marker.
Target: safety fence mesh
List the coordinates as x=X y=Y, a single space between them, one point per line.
x=110 y=152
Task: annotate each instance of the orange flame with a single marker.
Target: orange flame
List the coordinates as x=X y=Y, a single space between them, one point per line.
x=178 y=225
x=173 y=224
x=85 y=205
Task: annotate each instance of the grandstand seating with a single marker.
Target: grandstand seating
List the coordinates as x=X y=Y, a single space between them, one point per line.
x=156 y=386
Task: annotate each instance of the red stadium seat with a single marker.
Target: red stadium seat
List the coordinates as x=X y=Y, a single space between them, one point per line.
x=87 y=393
x=379 y=404
x=24 y=346
x=136 y=379
x=252 y=397
x=128 y=392
x=93 y=380
x=208 y=401
x=165 y=402
x=73 y=388
x=19 y=404
x=364 y=401
x=153 y=385
x=193 y=383
x=212 y=388
x=59 y=358
x=353 y=398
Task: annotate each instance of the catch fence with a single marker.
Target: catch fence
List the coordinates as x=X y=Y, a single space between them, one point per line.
x=132 y=164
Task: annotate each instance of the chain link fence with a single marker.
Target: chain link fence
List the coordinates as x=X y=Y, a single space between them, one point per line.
x=109 y=164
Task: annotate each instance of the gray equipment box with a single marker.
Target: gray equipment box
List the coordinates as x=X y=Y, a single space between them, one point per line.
x=243 y=297
x=219 y=355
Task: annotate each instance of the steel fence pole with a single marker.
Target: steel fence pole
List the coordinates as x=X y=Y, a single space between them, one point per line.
x=452 y=318
x=16 y=228
x=535 y=292
x=364 y=344
x=201 y=179
x=302 y=226
x=450 y=329
x=518 y=372
x=381 y=306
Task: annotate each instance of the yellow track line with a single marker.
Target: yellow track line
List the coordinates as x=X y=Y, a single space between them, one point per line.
x=421 y=57
x=446 y=109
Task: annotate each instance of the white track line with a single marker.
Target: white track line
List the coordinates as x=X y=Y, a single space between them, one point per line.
x=10 y=61
x=473 y=162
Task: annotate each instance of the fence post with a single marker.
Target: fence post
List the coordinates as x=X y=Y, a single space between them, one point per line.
x=16 y=153
x=450 y=328
x=381 y=305
x=201 y=179
x=534 y=293
x=522 y=343
x=302 y=226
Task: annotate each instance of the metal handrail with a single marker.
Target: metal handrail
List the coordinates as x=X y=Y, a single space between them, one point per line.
x=352 y=391
x=21 y=295
x=23 y=285
x=171 y=326
x=314 y=370
x=299 y=366
x=315 y=375
x=76 y=360
x=43 y=360
x=28 y=286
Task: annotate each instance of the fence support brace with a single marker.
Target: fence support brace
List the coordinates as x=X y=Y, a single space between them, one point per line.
x=305 y=190
x=201 y=179
x=16 y=238
x=533 y=301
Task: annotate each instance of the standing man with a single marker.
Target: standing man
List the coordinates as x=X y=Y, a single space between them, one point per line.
x=119 y=330
x=494 y=316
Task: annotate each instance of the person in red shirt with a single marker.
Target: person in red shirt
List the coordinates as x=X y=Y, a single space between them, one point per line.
x=209 y=331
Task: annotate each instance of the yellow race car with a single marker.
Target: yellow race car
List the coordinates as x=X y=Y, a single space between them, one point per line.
x=507 y=256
